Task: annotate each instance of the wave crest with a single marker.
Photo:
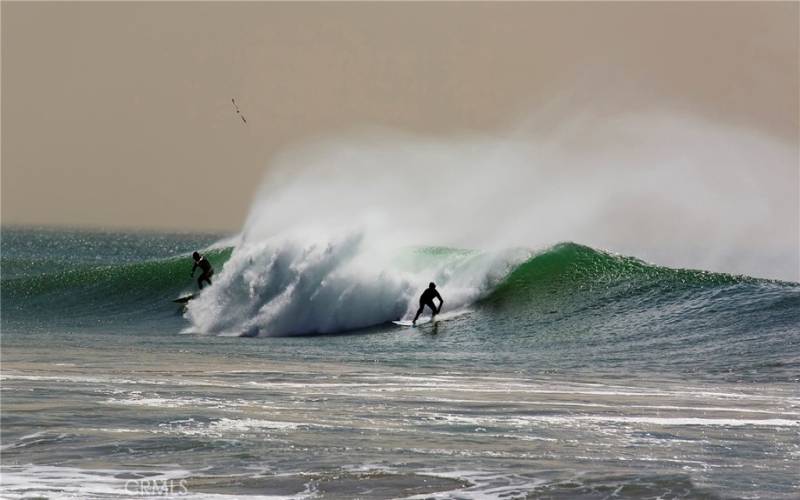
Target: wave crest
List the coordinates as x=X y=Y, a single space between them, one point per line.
x=300 y=285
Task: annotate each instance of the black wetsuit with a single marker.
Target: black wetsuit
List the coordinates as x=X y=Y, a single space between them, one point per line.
x=426 y=299
x=204 y=266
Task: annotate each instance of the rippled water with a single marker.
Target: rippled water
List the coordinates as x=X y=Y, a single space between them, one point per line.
x=98 y=421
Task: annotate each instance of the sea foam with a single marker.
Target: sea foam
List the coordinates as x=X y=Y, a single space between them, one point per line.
x=300 y=285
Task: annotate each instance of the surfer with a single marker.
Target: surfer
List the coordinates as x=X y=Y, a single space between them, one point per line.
x=426 y=299
x=205 y=266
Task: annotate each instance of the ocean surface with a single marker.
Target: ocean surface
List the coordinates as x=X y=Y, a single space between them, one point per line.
x=564 y=372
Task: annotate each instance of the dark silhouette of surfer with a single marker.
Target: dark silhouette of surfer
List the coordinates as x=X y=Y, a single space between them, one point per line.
x=426 y=299
x=205 y=266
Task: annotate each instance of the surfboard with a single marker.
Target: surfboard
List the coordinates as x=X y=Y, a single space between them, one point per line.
x=427 y=319
x=408 y=322
x=184 y=299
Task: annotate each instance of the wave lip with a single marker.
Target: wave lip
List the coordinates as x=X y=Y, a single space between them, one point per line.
x=567 y=268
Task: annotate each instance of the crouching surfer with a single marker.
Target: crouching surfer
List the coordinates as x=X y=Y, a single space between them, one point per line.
x=205 y=266
x=426 y=299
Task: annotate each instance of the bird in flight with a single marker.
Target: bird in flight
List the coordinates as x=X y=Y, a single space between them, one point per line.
x=236 y=107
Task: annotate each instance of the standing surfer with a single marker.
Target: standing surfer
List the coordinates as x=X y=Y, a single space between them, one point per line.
x=205 y=266
x=426 y=299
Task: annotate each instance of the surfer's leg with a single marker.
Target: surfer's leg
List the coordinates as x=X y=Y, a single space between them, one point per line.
x=419 y=311
x=433 y=309
x=204 y=277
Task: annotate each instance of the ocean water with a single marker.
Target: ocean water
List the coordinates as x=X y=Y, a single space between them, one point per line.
x=557 y=372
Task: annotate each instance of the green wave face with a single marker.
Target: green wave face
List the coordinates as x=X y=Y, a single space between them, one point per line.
x=54 y=288
x=570 y=269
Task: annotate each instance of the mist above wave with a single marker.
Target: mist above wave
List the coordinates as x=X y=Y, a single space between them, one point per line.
x=677 y=191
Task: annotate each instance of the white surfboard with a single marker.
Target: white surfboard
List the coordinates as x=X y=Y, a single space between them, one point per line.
x=184 y=299
x=427 y=319
x=408 y=322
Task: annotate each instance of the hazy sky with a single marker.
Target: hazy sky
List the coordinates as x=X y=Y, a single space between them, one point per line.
x=120 y=114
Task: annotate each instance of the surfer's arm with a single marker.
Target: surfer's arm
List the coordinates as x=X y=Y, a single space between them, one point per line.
x=193 y=268
x=441 y=300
